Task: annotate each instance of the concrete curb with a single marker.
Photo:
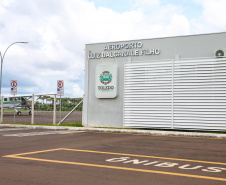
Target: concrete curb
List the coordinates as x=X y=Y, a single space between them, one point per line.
x=126 y=131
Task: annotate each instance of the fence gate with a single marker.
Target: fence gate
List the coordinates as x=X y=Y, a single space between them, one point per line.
x=188 y=94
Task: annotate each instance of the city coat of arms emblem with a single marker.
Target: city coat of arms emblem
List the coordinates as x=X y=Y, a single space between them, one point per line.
x=105 y=77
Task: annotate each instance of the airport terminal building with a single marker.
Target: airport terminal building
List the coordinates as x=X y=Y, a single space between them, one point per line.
x=163 y=83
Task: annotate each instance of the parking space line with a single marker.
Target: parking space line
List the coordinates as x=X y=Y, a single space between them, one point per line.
x=111 y=153
x=27 y=134
x=72 y=132
x=36 y=152
x=19 y=156
x=13 y=129
x=153 y=157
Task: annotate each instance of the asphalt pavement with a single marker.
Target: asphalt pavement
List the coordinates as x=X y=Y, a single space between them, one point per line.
x=85 y=156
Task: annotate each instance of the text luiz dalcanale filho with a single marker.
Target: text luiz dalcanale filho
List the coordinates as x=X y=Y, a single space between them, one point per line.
x=123 y=50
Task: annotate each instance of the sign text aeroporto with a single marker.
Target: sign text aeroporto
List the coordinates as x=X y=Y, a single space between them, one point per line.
x=123 y=50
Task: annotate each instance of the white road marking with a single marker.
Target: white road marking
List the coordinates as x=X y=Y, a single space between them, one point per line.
x=36 y=133
x=9 y=129
x=168 y=164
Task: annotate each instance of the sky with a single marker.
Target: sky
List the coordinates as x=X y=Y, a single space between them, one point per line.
x=57 y=31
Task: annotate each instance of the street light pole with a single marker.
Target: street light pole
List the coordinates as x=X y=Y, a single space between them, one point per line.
x=2 y=58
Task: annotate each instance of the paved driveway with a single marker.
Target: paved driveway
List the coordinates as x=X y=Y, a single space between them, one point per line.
x=74 y=157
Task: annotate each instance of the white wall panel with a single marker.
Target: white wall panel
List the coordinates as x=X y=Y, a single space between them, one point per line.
x=189 y=94
x=148 y=95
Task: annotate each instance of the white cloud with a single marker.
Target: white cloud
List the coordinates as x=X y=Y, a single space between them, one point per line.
x=57 y=31
x=146 y=4
x=178 y=24
x=213 y=15
x=77 y=91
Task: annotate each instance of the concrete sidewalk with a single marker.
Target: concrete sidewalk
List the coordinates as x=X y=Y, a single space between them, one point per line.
x=127 y=131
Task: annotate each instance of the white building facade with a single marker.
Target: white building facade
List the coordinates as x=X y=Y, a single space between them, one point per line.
x=163 y=83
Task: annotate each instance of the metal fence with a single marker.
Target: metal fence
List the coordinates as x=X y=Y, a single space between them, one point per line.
x=41 y=109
